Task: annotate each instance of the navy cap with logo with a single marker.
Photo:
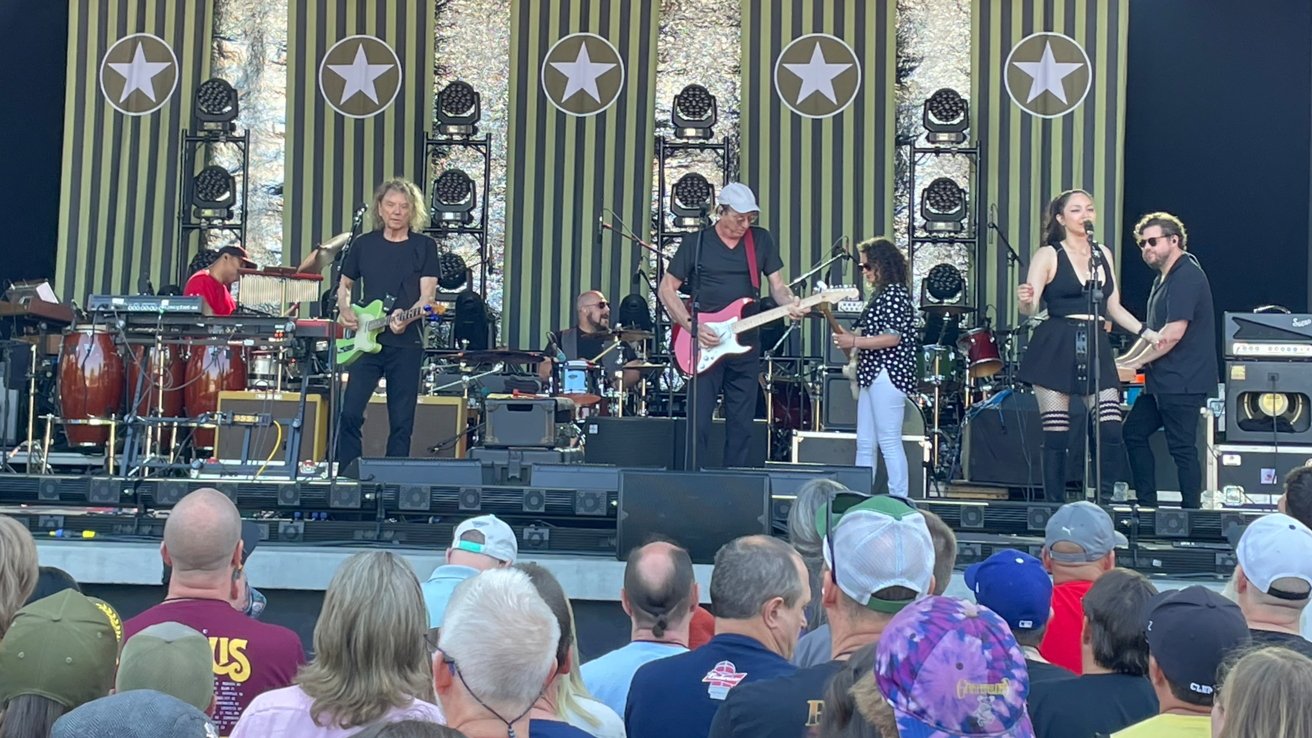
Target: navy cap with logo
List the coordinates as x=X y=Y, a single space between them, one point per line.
x=1014 y=585
x=1191 y=632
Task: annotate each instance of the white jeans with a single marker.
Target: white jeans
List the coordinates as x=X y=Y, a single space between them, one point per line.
x=879 y=411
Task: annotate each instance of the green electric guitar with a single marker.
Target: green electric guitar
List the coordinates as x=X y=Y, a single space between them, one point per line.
x=373 y=320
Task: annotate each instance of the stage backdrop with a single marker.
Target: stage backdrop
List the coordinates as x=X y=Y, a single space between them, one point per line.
x=1049 y=111
x=359 y=99
x=133 y=66
x=819 y=122
x=582 y=88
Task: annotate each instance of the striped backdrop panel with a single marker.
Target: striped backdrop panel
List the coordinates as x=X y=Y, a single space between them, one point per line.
x=563 y=169
x=1029 y=160
x=119 y=191
x=335 y=162
x=819 y=179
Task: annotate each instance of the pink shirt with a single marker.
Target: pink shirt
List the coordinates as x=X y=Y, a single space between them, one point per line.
x=286 y=713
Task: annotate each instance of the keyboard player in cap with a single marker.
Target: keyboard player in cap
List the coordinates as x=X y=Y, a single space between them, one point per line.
x=214 y=282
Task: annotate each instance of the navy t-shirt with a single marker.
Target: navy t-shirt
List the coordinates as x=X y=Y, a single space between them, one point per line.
x=1184 y=294
x=724 y=272
x=787 y=707
x=679 y=695
x=554 y=729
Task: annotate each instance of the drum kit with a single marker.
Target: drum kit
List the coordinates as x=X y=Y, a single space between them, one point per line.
x=609 y=387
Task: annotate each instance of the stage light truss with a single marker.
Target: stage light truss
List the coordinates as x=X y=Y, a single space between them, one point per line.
x=454 y=196
x=690 y=200
x=213 y=193
x=215 y=107
x=943 y=206
x=946 y=116
x=459 y=109
x=694 y=113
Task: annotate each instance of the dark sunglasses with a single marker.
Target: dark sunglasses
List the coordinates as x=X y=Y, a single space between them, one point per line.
x=600 y=304
x=1151 y=241
x=865 y=267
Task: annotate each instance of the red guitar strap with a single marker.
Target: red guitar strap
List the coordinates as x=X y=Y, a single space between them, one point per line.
x=752 y=267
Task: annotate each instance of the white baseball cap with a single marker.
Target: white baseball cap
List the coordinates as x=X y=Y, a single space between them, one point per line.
x=498 y=539
x=1277 y=547
x=880 y=542
x=739 y=197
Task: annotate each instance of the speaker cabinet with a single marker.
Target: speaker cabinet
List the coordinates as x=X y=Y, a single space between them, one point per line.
x=838 y=412
x=839 y=448
x=1003 y=442
x=265 y=442
x=438 y=420
x=700 y=511
x=1268 y=402
x=660 y=442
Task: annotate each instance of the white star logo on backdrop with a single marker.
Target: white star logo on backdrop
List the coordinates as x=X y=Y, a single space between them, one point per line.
x=1047 y=74
x=817 y=75
x=582 y=74
x=359 y=76
x=139 y=74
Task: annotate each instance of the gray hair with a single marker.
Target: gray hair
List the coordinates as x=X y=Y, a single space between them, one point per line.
x=749 y=572
x=813 y=496
x=503 y=637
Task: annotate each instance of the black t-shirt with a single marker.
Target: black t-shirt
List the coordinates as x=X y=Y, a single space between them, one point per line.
x=724 y=275
x=786 y=707
x=1292 y=641
x=1184 y=294
x=390 y=271
x=587 y=346
x=1041 y=671
x=1090 y=705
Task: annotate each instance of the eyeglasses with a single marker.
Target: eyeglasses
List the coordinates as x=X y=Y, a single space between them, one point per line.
x=1151 y=241
x=600 y=304
x=866 y=267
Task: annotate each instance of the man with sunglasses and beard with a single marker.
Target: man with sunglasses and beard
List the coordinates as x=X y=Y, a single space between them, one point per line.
x=587 y=339
x=1181 y=370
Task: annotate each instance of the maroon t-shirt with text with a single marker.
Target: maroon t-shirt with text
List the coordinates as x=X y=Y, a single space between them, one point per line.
x=250 y=657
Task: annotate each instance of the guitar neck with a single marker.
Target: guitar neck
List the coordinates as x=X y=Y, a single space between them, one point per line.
x=406 y=317
x=760 y=319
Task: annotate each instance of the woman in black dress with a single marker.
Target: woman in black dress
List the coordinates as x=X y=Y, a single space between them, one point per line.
x=1058 y=362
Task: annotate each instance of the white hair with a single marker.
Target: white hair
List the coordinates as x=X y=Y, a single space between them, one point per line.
x=503 y=637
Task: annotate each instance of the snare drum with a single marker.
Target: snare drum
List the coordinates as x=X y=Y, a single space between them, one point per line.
x=211 y=370
x=90 y=383
x=937 y=366
x=580 y=381
x=263 y=371
x=981 y=350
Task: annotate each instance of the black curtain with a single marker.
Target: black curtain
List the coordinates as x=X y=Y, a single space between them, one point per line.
x=33 y=49
x=1218 y=131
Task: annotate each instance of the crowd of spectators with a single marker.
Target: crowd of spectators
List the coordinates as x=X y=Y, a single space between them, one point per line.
x=843 y=631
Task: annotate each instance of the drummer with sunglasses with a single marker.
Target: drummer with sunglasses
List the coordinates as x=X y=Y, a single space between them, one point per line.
x=590 y=336
x=886 y=369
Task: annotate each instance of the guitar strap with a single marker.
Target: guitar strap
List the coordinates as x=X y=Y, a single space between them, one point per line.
x=752 y=268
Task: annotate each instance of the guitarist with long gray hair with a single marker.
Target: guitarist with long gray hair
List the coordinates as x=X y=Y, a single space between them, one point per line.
x=886 y=368
x=398 y=267
x=734 y=256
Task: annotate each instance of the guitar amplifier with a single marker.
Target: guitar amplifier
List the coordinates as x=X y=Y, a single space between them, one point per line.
x=839 y=449
x=265 y=443
x=1286 y=336
x=437 y=420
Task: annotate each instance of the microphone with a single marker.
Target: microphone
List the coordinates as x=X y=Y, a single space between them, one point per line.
x=842 y=245
x=601 y=226
x=1088 y=228
x=358 y=218
x=993 y=220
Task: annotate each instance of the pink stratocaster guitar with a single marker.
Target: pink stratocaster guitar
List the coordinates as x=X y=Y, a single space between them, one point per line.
x=728 y=323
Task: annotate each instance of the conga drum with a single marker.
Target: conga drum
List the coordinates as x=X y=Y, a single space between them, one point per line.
x=211 y=370
x=90 y=383
x=151 y=361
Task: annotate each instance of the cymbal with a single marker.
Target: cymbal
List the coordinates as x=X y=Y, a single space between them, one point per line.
x=632 y=334
x=507 y=356
x=322 y=255
x=643 y=366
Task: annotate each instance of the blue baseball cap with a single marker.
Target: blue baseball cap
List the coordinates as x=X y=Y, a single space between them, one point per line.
x=1014 y=585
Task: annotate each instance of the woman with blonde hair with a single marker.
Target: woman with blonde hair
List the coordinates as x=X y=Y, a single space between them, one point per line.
x=566 y=699
x=1265 y=694
x=370 y=661
x=18 y=569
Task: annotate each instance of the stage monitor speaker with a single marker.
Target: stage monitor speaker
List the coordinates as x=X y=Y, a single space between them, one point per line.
x=839 y=448
x=1268 y=402
x=700 y=511
x=1003 y=442
x=660 y=442
x=265 y=443
x=438 y=420
x=838 y=413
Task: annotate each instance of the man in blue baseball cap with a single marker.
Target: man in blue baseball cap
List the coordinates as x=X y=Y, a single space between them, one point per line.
x=1015 y=585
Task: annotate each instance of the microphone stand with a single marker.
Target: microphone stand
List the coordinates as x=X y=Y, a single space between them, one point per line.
x=334 y=371
x=1093 y=289
x=690 y=443
x=1015 y=262
x=658 y=323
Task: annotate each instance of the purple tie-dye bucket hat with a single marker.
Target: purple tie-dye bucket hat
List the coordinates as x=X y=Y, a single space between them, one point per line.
x=952 y=669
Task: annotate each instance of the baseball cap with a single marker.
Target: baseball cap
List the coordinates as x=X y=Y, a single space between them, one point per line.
x=1277 y=547
x=1015 y=586
x=1190 y=633
x=878 y=542
x=1087 y=526
x=240 y=253
x=171 y=658
x=498 y=539
x=952 y=669
x=63 y=648
x=140 y=713
x=739 y=197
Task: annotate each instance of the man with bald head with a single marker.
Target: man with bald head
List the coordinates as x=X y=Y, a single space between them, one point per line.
x=659 y=595
x=589 y=337
x=202 y=544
